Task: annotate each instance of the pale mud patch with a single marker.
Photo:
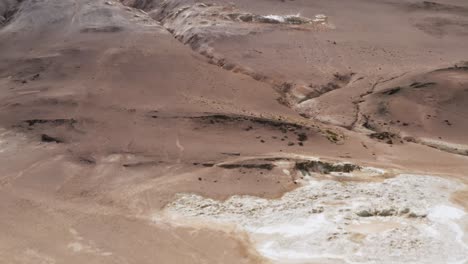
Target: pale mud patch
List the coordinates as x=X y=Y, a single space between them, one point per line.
x=293 y=19
x=406 y=219
x=80 y=245
x=10 y=140
x=456 y=148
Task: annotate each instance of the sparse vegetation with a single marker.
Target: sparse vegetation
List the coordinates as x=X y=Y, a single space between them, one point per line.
x=325 y=167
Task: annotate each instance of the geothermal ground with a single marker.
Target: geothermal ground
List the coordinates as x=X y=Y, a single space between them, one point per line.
x=267 y=131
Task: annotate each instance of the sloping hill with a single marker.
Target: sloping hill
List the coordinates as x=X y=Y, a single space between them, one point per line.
x=111 y=110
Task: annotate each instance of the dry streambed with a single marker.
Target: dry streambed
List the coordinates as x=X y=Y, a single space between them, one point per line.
x=403 y=219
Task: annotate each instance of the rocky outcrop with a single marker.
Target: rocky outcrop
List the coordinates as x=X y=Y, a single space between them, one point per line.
x=7 y=10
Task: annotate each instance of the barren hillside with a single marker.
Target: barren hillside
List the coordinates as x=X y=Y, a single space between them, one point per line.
x=267 y=131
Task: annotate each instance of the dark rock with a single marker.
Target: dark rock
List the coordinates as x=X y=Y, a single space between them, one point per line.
x=48 y=139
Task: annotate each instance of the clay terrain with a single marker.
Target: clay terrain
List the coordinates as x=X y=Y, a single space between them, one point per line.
x=240 y=131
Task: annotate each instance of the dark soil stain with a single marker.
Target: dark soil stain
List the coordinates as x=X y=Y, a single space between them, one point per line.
x=422 y=85
x=49 y=139
x=87 y=160
x=438 y=7
x=261 y=166
x=142 y=164
x=55 y=122
x=107 y=29
x=231 y=153
x=392 y=91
